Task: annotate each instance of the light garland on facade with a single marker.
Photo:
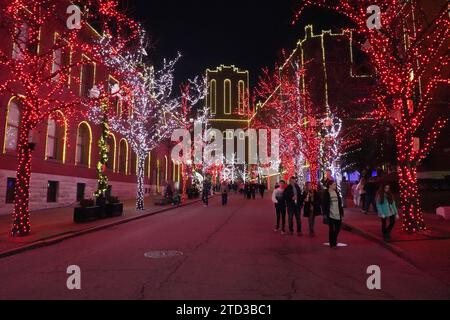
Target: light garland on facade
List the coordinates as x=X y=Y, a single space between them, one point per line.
x=42 y=89
x=403 y=52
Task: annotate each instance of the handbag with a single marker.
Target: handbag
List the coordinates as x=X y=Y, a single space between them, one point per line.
x=326 y=220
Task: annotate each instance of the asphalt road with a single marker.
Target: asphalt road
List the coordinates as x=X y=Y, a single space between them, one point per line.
x=229 y=253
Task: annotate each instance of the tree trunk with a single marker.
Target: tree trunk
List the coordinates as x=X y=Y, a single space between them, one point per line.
x=410 y=199
x=140 y=183
x=21 y=214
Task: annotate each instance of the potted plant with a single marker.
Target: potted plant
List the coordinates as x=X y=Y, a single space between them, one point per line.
x=114 y=208
x=86 y=212
x=101 y=202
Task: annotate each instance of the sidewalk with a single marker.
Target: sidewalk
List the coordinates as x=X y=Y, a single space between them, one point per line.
x=54 y=225
x=429 y=251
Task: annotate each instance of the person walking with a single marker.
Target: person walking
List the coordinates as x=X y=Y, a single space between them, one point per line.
x=294 y=201
x=387 y=211
x=362 y=192
x=262 y=190
x=206 y=191
x=312 y=206
x=253 y=190
x=280 y=207
x=371 y=193
x=355 y=194
x=224 y=191
x=344 y=191
x=333 y=211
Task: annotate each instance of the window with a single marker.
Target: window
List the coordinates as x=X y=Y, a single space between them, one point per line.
x=83 y=145
x=10 y=186
x=81 y=189
x=20 y=44
x=227 y=96
x=123 y=157
x=114 y=101
x=52 y=191
x=87 y=77
x=55 y=140
x=213 y=96
x=12 y=126
x=62 y=57
x=242 y=103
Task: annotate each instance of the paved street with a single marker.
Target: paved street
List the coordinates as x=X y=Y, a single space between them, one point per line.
x=229 y=253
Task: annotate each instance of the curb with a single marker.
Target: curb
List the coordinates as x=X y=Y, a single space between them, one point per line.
x=392 y=248
x=66 y=236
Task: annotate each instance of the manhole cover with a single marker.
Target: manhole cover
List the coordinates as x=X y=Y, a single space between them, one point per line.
x=162 y=254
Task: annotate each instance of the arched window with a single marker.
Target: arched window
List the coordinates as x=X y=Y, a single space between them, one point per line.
x=111 y=164
x=56 y=138
x=123 y=157
x=227 y=96
x=241 y=89
x=84 y=142
x=12 y=126
x=213 y=96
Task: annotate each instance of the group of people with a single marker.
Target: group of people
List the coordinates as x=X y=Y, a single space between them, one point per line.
x=325 y=200
x=250 y=190
x=224 y=188
x=315 y=201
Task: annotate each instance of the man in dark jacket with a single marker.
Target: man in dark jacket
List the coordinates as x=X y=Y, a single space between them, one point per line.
x=206 y=192
x=371 y=189
x=294 y=203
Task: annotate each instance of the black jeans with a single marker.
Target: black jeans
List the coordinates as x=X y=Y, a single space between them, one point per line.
x=205 y=198
x=370 y=200
x=335 y=229
x=312 y=222
x=281 y=216
x=385 y=229
x=294 y=210
x=224 y=199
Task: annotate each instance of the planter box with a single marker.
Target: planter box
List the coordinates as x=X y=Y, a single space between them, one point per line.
x=83 y=215
x=114 y=210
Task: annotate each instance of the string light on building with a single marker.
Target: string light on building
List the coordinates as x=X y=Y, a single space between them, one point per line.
x=404 y=53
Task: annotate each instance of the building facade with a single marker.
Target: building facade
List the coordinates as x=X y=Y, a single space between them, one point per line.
x=66 y=152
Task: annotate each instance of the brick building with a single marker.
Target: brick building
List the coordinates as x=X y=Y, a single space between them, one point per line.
x=66 y=154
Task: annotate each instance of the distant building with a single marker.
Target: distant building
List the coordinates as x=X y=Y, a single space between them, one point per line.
x=228 y=97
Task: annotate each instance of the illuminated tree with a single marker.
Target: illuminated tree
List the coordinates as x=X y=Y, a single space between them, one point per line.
x=40 y=78
x=290 y=109
x=404 y=52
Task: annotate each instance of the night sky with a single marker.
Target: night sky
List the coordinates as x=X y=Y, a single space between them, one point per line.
x=247 y=33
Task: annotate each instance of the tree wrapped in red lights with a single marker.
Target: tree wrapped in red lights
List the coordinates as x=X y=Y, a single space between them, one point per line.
x=289 y=109
x=39 y=78
x=191 y=94
x=403 y=50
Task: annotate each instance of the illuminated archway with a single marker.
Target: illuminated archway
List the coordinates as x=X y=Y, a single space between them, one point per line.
x=123 y=157
x=84 y=145
x=56 y=137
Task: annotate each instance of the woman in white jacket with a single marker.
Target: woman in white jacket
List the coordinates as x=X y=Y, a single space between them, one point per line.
x=280 y=207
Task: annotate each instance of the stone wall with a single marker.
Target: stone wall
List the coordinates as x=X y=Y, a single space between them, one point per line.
x=67 y=190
